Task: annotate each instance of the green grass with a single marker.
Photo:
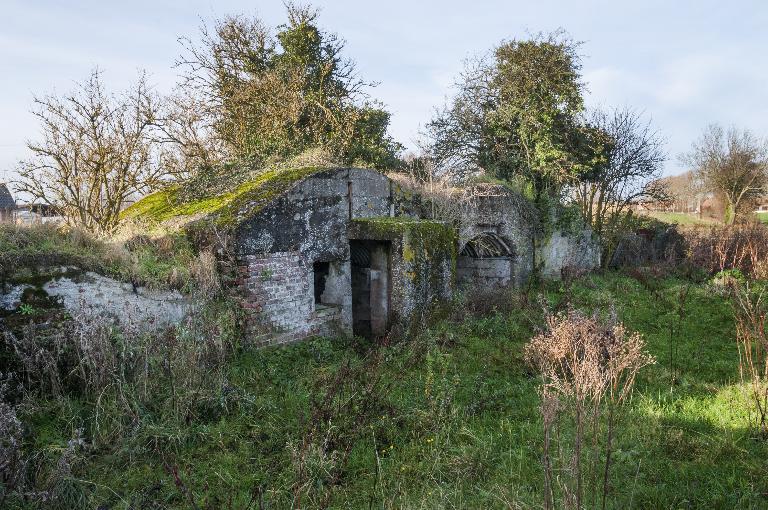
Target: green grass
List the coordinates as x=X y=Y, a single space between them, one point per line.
x=33 y=254
x=459 y=426
x=680 y=218
x=686 y=219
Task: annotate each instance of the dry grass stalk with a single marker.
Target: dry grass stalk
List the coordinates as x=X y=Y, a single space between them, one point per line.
x=588 y=368
x=750 y=313
x=448 y=202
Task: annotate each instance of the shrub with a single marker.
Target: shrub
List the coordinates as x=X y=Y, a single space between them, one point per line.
x=751 y=314
x=741 y=246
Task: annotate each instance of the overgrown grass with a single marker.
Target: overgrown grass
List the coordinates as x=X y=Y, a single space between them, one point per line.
x=29 y=253
x=456 y=425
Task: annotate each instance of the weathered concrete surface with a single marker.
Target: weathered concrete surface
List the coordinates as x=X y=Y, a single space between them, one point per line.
x=579 y=251
x=507 y=215
x=484 y=272
x=138 y=309
x=312 y=224
x=11 y=298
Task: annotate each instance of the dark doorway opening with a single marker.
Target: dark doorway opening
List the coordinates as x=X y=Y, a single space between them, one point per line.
x=321 y=270
x=370 y=287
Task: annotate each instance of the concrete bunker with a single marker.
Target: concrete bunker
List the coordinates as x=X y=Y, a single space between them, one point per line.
x=324 y=251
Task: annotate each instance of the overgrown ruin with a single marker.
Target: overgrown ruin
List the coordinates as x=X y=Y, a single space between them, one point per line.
x=351 y=251
x=317 y=251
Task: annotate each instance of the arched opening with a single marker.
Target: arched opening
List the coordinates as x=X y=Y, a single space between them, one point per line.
x=486 y=245
x=485 y=261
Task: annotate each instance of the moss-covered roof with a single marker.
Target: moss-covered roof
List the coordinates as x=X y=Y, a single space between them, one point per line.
x=225 y=209
x=393 y=227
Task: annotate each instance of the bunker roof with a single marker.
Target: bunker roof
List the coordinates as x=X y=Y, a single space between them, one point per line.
x=226 y=209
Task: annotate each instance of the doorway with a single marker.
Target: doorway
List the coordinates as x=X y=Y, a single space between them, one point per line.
x=370 y=262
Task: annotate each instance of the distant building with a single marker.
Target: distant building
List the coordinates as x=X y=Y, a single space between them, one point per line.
x=7 y=204
x=32 y=214
x=761 y=204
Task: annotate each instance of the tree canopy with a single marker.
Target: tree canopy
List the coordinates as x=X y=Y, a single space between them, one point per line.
x=272 y=94
x=516 y=114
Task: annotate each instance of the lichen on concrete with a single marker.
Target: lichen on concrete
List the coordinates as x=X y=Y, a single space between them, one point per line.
x=423 y=259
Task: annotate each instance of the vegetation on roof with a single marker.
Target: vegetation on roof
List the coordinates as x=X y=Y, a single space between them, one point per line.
x=225 y=208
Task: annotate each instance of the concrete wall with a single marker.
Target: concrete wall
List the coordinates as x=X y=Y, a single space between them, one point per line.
x=315 y=221
x=484 y=272
x=306 y=225
x=578 y=251
x=422 y=262
x=510 y=217
x=135 y=308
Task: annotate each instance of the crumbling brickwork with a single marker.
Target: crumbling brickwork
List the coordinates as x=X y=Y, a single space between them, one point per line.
x=280 y=301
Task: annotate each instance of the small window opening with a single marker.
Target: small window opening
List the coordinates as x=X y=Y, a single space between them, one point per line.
x=321 y=274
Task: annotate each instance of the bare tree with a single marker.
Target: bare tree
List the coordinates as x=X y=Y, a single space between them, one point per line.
x=454 y=138
x=733 y=163
x=629 y=171
x=94 y=154
x=186 y=134
x=685 y=192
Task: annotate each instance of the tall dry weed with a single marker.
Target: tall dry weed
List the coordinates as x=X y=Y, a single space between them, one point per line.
x=751 y=315
x=741 y=246
x=588 y=368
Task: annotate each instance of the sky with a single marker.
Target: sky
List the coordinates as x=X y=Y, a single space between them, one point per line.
x=684 y=63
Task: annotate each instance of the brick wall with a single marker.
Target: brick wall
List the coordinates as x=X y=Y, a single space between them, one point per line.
x=278 y=292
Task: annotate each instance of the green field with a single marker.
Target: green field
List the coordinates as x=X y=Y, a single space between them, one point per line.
x=456 y=423
x=680 y=218
x=692 y=219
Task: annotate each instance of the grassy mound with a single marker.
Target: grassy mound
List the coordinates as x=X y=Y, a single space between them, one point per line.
x=32 y=254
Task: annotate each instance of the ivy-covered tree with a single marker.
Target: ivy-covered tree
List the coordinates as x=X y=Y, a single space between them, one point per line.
x=272 y=94
x=516 y=115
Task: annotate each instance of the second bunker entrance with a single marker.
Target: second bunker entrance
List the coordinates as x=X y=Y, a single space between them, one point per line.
x=370 y=261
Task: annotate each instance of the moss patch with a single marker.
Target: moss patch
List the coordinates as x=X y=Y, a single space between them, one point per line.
x=225 y=209
x=428 y=252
